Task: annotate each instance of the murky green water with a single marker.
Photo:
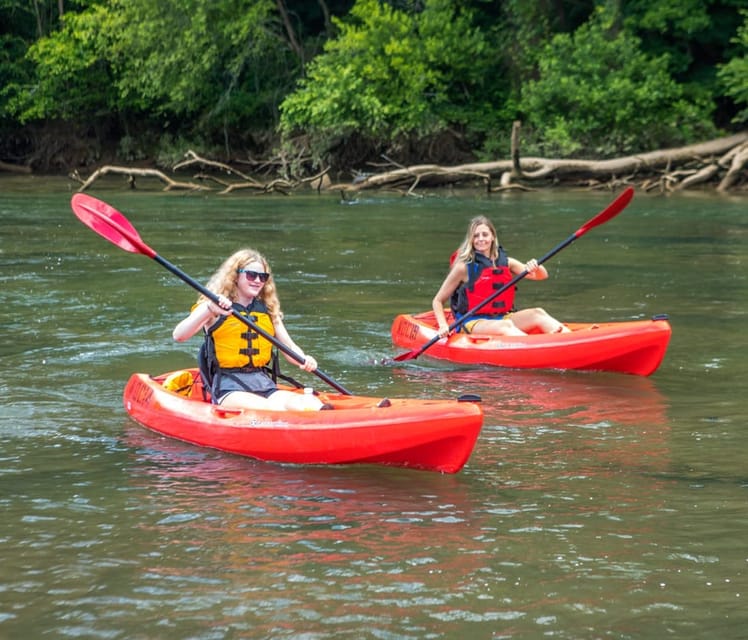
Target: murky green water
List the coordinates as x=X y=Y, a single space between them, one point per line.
x=594 y=505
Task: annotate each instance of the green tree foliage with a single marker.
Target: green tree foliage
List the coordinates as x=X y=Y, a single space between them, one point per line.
x=72 y=80
x=193 y=59
x=598 y=92
x=592 y=77
x=696 y=35
x=204 y=66
x=390 y=73
x=14 y=70
x=21 y=22
x=734 y=74
x=667 y=25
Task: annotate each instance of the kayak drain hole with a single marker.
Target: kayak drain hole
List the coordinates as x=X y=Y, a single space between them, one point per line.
x=469 y=397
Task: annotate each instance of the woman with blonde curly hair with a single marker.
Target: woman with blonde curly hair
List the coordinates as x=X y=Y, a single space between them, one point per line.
x=244 y=283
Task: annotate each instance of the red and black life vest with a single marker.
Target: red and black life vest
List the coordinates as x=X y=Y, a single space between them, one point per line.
x=484 y=278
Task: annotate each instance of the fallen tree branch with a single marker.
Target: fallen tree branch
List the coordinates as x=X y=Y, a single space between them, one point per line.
x=14 y=168
x=703 y=175
x=193 y=158
x=721 y=162
x=536 y=169
x=131 y=173
x=739 y=162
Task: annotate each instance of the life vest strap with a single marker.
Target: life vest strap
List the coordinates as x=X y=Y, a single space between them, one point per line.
x=242 y=369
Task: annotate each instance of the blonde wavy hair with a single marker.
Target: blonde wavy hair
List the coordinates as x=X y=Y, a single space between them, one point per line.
x=466 y=252
x=224 y=281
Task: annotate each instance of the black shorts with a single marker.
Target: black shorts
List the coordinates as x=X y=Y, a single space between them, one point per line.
x=255 y=381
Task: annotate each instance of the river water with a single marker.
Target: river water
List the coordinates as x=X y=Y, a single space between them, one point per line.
x=593 y=506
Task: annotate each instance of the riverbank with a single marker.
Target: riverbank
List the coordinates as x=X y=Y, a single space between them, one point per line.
x=720 y=164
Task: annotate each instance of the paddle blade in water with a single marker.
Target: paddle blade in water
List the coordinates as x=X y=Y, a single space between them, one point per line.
x=109 y=223
x=408 y=355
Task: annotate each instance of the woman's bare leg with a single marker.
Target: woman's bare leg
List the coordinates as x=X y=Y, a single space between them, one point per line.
x=537 y=319
x=503 y=327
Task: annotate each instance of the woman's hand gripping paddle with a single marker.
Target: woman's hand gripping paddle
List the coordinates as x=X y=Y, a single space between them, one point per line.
x=115 y=227
x=612 y=210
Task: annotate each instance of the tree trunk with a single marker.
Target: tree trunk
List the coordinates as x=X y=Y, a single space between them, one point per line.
x=671 y=168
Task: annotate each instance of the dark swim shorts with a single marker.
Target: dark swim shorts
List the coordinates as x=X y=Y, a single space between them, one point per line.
x=254 y=381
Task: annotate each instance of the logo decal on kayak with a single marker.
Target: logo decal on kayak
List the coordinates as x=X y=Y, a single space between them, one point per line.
x=409 y=330
x=142 y=393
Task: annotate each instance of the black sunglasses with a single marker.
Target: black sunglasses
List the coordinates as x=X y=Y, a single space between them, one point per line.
x=254 y=275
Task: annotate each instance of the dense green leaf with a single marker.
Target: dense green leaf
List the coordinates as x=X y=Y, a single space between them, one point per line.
x=390 y=72
x=599 y=91
x=734 y=74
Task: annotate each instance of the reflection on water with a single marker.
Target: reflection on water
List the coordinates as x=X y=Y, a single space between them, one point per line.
x=567 y=397
x=363 y=545
x=349 y=539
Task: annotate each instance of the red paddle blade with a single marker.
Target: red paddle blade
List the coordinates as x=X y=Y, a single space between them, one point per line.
x=109 y=223
x=612 y=210
x=408 y=355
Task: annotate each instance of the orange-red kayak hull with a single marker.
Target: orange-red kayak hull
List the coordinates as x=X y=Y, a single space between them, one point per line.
x=434 y=435
x=635 y=347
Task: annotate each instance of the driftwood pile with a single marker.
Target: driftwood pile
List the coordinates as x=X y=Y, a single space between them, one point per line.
x=210 y=175
x=720 y=164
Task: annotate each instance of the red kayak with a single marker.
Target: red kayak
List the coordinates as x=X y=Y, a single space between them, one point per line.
x=434 y=435
x=635 y=347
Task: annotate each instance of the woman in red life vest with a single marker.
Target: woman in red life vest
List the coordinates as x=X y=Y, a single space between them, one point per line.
x=479 y=268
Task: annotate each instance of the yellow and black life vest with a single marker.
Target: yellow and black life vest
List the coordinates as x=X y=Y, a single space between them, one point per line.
x=236 y=345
